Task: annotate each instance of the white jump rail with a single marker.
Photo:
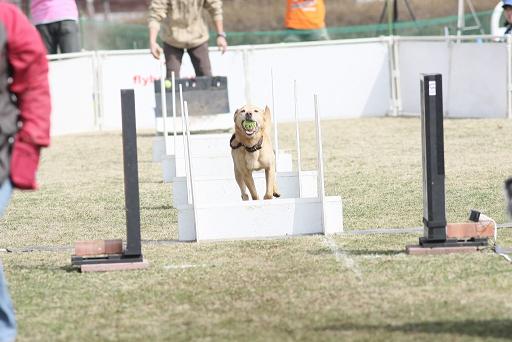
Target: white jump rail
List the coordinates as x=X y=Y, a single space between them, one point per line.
x=216 y=165
x=163 y=73
x=225 y=189
x=274 y=117
x=258 y=219
x=297 y=135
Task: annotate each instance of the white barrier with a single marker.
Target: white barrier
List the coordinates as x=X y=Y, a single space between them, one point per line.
x=218 y=165
x=260 y=219
x=202 y=145
x=354 y=78
x=414 y=58
x=474 y=75
x=477 y=87
x=120 y=70
x=72 y=85
x=225 y=189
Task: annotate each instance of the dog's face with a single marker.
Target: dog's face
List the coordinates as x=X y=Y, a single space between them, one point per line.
x=251 y=121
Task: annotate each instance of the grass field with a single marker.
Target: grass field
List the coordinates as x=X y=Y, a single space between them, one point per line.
x=347 y=287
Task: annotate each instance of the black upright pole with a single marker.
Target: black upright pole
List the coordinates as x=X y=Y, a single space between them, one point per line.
x=434 y=216
x=395 y=13
x=131 y=174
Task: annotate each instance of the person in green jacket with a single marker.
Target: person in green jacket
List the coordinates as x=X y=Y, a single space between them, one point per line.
x=181 y=27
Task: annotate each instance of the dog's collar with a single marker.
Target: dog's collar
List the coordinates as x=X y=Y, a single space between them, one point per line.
x=250 y=149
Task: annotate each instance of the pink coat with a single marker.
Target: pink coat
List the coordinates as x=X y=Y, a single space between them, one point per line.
x=50 y=11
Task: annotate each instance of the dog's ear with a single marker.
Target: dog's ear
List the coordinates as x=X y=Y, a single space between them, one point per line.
x=236 y=113
x=266 y=114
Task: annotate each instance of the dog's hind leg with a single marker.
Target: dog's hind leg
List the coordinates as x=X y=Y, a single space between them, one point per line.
x=243 y=189
x=249 y=181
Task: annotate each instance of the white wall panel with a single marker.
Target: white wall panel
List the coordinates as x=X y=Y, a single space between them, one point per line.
x=478 y=80
x=352 y=80
x=72 y=90
x=415 y=58
x=136 y=72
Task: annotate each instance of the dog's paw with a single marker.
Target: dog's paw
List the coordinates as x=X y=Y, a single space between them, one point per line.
x=276 y=195
x=245 y=197
x=268 y=197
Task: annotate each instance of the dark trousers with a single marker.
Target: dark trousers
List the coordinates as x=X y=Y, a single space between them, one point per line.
x=60 y=35
x=198 y=55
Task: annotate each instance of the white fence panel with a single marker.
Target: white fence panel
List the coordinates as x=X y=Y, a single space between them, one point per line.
x=351 y=79
x=122 y=71
x=478 y=80
x=415 y=58
x=72 y=89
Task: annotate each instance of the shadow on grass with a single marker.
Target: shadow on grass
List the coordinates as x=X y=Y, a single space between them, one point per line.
x=500 y=328
x=150 y=181
x=70 y=269
x=47 y=268
x=374 y=252
x=356 y=252
x=161 y=207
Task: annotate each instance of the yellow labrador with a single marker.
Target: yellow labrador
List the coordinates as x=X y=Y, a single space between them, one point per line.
x=251 y=149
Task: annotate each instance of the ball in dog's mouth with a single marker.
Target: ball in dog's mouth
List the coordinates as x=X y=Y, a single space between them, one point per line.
x=250 y=127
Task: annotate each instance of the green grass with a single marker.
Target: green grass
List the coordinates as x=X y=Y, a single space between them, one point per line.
x=348 y=287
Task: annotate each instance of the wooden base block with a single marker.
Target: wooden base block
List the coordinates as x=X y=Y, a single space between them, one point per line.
x=418 y=250
x=98 y=247
x=468 y=230
x=114 y=267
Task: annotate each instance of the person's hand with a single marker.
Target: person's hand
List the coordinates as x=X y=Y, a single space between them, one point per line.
x=156 y=50
x=24 y=162
x=222 y=43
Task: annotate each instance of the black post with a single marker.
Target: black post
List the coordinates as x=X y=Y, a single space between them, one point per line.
x=131 y=174
x=434 y=216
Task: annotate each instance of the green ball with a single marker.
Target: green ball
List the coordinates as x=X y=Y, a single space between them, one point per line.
x=249 y=125
x=168 y=84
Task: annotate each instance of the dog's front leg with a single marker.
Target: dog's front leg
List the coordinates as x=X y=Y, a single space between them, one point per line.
x=243 y=189
x=249 y=181
x=270 y=178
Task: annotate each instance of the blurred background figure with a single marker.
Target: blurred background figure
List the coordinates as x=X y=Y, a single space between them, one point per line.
x=181 y=26
x=507 y=11
x=57 y=23
x=305 y=20
x=23 y=74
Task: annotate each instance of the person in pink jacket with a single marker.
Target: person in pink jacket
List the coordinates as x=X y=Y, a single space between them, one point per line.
x=57 y=23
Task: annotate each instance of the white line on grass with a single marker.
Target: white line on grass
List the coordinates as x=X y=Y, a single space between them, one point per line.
x=342 y=257
x=185 y=266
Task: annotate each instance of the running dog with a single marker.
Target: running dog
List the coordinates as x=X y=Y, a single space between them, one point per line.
x=251 y=149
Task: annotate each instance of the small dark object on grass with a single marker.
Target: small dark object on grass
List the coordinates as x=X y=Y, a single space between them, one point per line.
x=508 y=194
